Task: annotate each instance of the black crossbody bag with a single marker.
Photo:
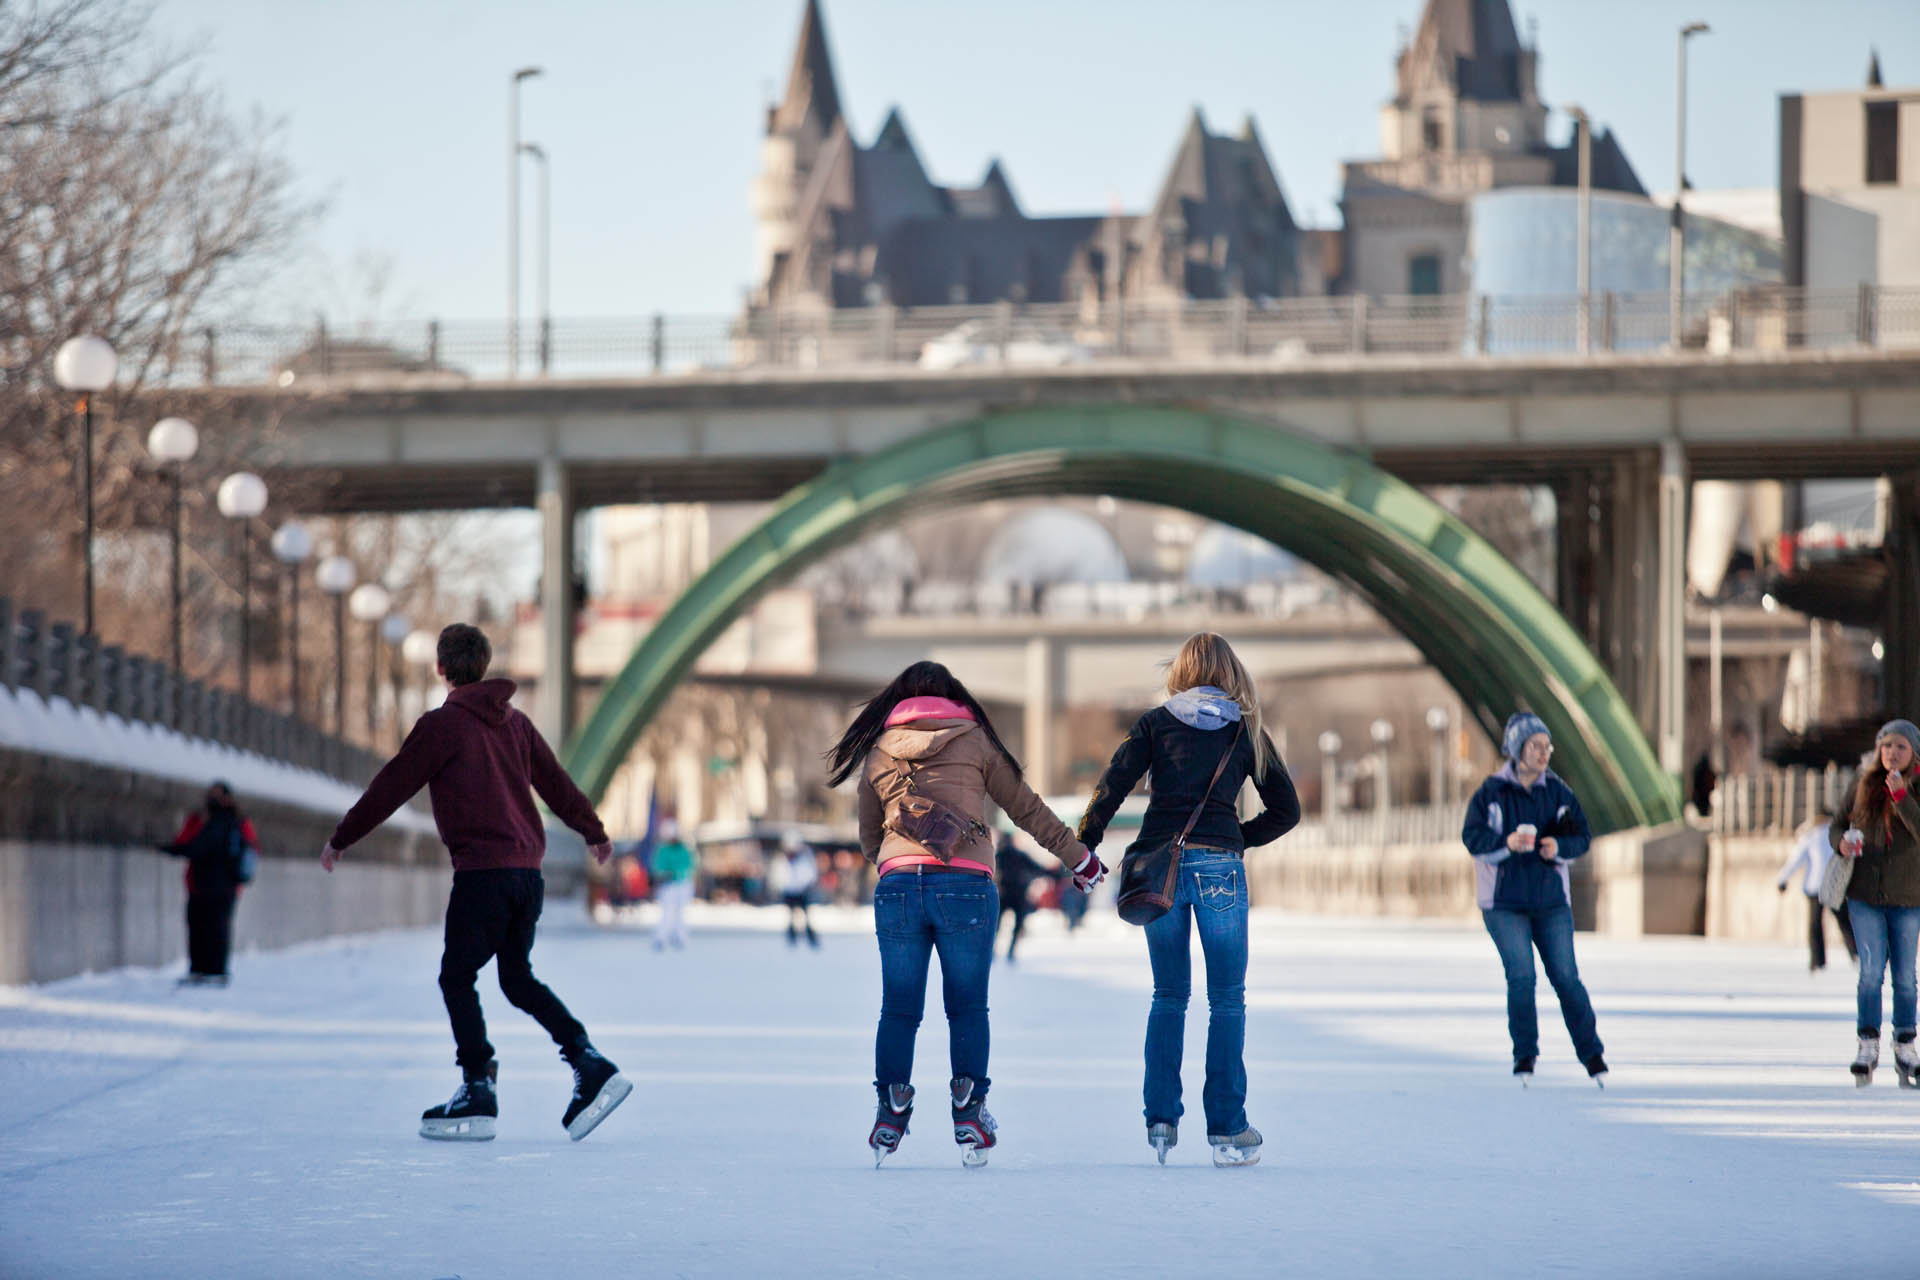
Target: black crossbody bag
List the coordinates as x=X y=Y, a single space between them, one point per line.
x=1149 y=877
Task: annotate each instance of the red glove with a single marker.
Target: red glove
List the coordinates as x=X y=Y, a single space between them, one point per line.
x=1088 y=873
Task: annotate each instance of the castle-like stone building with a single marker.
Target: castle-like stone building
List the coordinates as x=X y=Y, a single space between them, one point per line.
x=846 y=224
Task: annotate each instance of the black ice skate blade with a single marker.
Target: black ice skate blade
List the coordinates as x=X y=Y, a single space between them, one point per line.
x=612 y=1094
x=460 y=1129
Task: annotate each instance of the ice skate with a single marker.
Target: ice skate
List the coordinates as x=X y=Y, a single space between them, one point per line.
x=890 y=1122
x=1523 y=1070
x=973 y=1124
x=1866 y=1060
x=1163 y=1136
x=1596 y=1067
x=598 y=1087
x=1906 y=1063
x=469 y=1115
x=1234 y=1150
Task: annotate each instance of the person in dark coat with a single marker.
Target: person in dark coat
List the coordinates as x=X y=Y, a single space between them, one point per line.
x=1017 y=874
x=220 y=846
x=1882 y=837
x=1523 y=827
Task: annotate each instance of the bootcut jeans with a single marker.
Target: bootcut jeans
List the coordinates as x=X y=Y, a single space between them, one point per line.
x=914 y=915
x=1515 y=936
x=1212 y=898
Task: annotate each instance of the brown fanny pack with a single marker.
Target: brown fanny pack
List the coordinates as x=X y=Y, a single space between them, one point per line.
x=940 y=829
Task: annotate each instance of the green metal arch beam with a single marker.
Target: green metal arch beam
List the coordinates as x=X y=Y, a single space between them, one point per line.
x=1482 y=624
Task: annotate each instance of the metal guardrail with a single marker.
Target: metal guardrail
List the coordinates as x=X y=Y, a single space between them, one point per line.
x=54 y=661
x=1372 y=829
x=1281 y=331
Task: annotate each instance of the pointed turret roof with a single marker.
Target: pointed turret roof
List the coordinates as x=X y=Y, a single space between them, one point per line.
x=1470 y=45
x=1873 y=70
x=811 y=90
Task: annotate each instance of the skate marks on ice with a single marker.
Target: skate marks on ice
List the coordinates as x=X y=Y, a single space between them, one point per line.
x=273 y=1131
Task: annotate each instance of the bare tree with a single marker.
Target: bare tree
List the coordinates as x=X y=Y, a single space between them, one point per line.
x=134 y=206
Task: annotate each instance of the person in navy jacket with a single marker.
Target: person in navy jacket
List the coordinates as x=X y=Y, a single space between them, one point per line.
x=1523 y=827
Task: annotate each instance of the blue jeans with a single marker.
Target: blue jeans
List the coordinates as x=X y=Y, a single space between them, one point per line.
x=1885 y=934
x=1213 y=896
x=1515 y=935
x=913 y=915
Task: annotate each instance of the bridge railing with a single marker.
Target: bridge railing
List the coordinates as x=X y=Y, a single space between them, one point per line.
x=52 y=660
x=1060 y=334
x=1374 y=829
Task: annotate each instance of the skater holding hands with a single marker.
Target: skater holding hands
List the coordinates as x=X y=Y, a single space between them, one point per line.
x=1882 y=838
x=1523 y=827
x=1201 y=746
x=929 y=761
x=481 y=760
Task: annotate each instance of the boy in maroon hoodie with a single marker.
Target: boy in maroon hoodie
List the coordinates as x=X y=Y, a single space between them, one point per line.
x=478 y=757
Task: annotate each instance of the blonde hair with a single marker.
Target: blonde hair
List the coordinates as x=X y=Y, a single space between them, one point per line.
x=1207 y=659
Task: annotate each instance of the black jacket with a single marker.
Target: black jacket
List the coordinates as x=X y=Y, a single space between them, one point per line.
x=1183 y=759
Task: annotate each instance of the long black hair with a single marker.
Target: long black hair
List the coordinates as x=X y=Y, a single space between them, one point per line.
x=921 y=680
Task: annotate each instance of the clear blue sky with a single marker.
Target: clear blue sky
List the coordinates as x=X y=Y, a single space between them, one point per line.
x=395 y=112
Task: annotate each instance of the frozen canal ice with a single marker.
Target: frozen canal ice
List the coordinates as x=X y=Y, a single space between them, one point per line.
x=269 y=1129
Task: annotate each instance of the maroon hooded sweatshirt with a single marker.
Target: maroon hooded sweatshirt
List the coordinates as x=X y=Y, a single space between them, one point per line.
x=477 y=756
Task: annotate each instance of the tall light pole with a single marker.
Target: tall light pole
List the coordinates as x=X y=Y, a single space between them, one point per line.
x=86 y=364
x=292 y=544
x=393 y=629
x=369 y=604
x=1438 y=720
x=545 y=236
x=1677 y=236
x=1583 y=235
x=241 y=497
x=513 y=217
x=172 y=443
x=335 y=576
x=1329 y=777
x=1381 y=732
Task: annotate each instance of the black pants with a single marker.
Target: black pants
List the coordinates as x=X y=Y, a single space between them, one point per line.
x=209 y=931
x=1021 y=910
x=796 y=904
x=490 y=916
x=1817 y=934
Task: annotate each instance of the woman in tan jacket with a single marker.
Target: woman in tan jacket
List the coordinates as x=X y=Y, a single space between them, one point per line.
x=929 y=761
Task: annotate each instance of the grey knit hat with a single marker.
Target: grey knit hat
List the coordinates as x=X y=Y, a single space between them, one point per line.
x=1521 y=726
x=1900 y=729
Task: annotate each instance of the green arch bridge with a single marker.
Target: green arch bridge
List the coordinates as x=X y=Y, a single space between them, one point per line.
x=1477 y=618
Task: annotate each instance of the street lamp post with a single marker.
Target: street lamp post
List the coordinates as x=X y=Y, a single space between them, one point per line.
x=1329 y=777
x=292 y=544
x=513 y=217
x=335 y=576
x=422 y=649
x=394 y=629
x=1381 y=731
x=1438 y=720
x=241 y=497
x=545 y=237
x=86 y=364
x=1677 y=235
x=369 y=604
x=172 y=443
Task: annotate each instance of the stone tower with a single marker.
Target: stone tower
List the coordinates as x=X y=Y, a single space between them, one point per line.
x=798 y=127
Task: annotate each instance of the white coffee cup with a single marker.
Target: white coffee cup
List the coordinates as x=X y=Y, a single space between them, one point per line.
x=1853 y=841
x=1526 y=832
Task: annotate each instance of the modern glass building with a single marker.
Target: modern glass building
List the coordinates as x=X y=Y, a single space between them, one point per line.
x=1522 y=248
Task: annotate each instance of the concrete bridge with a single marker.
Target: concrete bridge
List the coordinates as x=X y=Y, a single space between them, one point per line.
x=1317 y=455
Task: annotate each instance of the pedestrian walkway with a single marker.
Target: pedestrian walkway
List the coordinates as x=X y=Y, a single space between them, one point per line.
x=269 y=1129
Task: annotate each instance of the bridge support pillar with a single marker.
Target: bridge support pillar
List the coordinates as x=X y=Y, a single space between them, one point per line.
x=1044 y=732
x=1900 y=632
x=555 y=503
x=1670 y=662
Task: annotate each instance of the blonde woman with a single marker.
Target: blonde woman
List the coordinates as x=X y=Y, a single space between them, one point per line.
x=1211 y=711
